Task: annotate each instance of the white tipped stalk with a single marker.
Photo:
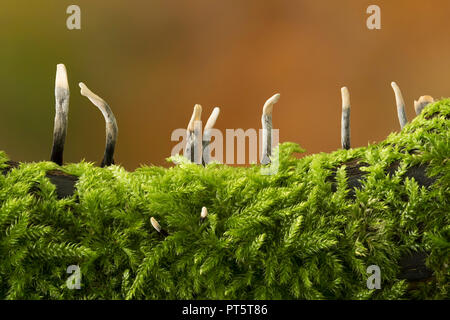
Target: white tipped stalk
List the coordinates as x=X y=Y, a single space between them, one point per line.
x=61 y=80
x=212 y=119
x=62 y=95
x=400 y=105
x=266 y=121
x=110 y=124
x=204 y=213
x=157 y=227
x=207 y=133
x=268 y=106
x=345 y=120
x=193 y=150
x=422 y=103
x=196 y=116
x=155 y=224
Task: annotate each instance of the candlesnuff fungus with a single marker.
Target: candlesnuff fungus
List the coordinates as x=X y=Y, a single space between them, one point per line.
x=62 y=95
x=193 y=141
x=207 y=135
x=400 y=105
x=265 y=226
x=345 y=121
x=266 y=121
x=203 y=214
x=157 y=227
x=422 y=103
x=155 y=224
x=111 y=124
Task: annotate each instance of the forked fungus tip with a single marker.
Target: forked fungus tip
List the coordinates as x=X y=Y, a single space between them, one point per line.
x=196 y=116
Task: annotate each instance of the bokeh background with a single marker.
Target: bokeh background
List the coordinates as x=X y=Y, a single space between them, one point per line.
x=153 y=60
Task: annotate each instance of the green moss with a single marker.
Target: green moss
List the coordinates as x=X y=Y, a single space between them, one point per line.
x=283 y=236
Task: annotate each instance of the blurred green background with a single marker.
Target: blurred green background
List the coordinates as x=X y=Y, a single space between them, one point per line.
x=153 y=60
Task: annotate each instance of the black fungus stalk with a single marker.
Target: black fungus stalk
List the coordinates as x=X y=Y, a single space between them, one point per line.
x=158 y=228
x=110 y=124
x=207 y=135
x=266 y=121
x=400 y=105
x=62 y=95
x=345 y=121
x=193 y=150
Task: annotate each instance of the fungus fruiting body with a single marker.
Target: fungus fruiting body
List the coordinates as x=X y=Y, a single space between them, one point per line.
x=289 y=235
x=110 y=123
x=403 y=120
x=62 y=95
x=266 y=121
x=207 y=132
x=422 y=103
x=345 y=120
x=193 y=148
x=203 y=214
x=158 y=228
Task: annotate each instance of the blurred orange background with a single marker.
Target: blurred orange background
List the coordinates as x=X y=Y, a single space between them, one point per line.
x=153 y=60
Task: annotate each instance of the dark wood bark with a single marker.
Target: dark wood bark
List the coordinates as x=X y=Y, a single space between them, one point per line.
x=355 y=176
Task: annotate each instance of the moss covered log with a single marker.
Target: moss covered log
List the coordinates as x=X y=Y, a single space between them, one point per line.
x=308 y=232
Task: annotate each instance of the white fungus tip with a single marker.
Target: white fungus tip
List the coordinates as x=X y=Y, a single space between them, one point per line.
x=398 y=94
x=155 y=224
x=84 y=89
x=422 y=103
x=204 y=213
x=268 y=106
x=212 y=118
x=345 y=98
x=95 y=99
x=429 y=99
x=61 y=77
x=196 y=116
